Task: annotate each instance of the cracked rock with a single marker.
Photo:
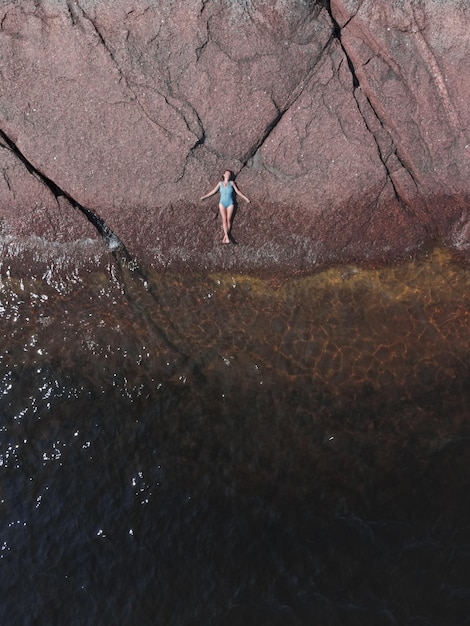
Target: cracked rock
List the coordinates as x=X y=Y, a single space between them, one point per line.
x=346 y=123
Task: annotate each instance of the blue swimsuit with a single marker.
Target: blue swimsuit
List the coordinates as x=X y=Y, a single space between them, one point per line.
x=226 y=194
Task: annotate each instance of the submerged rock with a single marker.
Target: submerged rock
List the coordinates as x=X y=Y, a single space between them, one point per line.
x=344 y=122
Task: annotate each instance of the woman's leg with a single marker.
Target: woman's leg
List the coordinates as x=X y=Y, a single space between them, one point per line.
x=229 y=219
x=224 y=215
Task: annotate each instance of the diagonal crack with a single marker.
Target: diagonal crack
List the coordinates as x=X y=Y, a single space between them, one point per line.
x=109 y=237
x=199 y=142
x=133 y=280
x=268 y=130
x=357 y=85
x=383 y=158
x=281 y=111
x=198 y=130
x=121 y=73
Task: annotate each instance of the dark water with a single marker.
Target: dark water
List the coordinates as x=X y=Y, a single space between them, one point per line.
x=230 y=450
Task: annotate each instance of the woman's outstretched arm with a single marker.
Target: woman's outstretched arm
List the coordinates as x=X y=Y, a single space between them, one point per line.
x=211 y=193
x=237 y=191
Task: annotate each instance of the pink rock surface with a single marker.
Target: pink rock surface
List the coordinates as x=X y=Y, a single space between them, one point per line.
x=345 y=122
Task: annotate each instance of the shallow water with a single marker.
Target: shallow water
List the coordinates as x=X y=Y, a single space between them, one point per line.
x=224 y=449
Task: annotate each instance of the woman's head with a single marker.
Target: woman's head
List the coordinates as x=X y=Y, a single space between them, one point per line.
x=227 y=175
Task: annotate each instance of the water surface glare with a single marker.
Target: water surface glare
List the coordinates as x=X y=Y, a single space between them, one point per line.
x=223 y=449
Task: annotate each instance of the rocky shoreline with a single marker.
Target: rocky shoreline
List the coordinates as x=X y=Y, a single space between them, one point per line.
x=346 y=123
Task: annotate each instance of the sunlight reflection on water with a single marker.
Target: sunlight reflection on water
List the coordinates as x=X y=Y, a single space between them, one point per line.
x=268 y=449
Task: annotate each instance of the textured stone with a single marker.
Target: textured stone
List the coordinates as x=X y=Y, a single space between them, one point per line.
x=345 y=122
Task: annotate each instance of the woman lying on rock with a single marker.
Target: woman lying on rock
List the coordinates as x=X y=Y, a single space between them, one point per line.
x=226 y=187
